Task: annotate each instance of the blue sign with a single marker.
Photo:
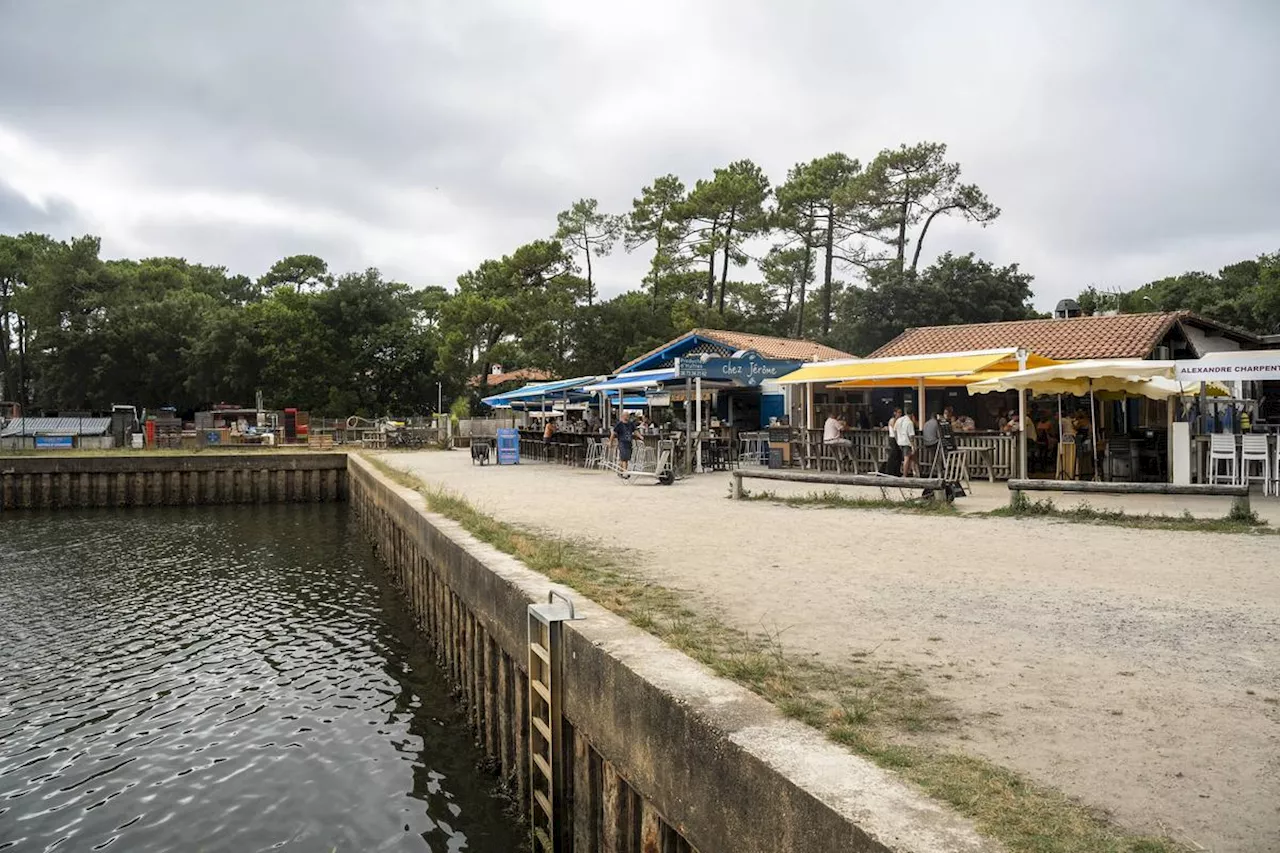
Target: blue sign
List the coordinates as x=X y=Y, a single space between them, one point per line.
x=59 y=442
x=508 y=447
x=743 y=368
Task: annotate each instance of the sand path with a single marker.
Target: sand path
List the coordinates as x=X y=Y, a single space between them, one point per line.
x=1131 y=669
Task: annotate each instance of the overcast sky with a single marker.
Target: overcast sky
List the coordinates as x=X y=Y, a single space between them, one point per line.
x=1123 y=140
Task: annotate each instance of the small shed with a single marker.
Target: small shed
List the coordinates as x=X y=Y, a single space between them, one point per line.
x=28 y=433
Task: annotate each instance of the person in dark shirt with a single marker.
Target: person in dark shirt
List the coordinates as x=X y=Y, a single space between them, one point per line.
x=623 y=432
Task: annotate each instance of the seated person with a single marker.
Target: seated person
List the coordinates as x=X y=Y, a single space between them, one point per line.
x=1081 y=424
x=1046 y=430
x=963 y=423
x=833 y=432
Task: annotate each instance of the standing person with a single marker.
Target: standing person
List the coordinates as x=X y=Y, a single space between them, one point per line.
x=930 y=436
x=893 y=464
x=623 y=433
x=904 y=430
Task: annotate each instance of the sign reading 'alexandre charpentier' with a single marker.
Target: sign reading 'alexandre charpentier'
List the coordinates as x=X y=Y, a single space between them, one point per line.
x=1245 y=366
x=745 y=367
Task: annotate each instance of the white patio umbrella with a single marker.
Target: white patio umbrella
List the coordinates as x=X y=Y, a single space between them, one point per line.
x=1122 y=375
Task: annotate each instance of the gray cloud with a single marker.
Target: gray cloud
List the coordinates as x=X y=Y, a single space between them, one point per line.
x=18 y=214
x=1124 y=141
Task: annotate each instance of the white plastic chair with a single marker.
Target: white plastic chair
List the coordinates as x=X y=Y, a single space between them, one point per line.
x=1275 y=469
x=595 y=453
x=1222 y=448
x=1256 y=450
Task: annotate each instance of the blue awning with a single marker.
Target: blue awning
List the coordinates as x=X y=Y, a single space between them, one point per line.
x=538 y=390
x=639 y=379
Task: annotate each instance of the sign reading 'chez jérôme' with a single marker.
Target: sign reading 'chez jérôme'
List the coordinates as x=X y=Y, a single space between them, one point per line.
x=745 y=367
x=1241 y=366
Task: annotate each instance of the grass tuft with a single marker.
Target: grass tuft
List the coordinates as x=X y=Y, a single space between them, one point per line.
x=1238 y=520
x=876 y=710
x=835 y=500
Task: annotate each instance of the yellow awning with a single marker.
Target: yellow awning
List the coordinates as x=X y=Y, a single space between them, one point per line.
x=940 y=369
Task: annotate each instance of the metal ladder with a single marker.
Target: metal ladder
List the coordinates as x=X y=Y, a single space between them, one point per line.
x=546 y=749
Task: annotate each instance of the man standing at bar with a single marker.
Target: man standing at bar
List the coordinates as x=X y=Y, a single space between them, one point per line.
x=905 y=431
x=623 y=432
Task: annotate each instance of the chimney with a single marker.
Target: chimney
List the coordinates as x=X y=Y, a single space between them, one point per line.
x=1067 y=308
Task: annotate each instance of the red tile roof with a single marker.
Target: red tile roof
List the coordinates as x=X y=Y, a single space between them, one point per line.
x=1114 y=336
x=766 y=345
x=524 y=374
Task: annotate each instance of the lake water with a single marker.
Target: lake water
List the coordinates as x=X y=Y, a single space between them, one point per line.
x=223 y=679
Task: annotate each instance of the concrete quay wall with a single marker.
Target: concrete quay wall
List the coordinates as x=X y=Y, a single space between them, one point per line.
x=70 y=482
x=660 y=756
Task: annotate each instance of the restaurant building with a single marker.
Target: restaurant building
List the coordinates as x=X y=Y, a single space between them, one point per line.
x=734 y=373
x=928 y=370
x=1157 y=335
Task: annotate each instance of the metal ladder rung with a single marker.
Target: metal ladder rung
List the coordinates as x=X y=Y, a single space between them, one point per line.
x=543 y=728
x=547 y=788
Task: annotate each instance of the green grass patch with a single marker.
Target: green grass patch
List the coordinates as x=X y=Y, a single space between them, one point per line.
x=874 y=708
x=1238 y=520
x=836 y=500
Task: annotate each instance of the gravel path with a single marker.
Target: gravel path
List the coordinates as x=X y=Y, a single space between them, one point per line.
x=1136 y=670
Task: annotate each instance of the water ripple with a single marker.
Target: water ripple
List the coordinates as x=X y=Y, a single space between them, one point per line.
x=215 y=679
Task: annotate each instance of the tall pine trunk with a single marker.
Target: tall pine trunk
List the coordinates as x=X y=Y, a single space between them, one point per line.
x=826 y=276
x=711 y=269
x=4 y=344
x=22 y=364
x=902 y=237
x=724 y=271
x=591 y=288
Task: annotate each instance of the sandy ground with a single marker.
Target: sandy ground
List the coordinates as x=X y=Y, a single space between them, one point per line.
x=1129 y=668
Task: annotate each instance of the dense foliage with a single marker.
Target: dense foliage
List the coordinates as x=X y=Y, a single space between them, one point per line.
x=1245 y=295
x=81 y=332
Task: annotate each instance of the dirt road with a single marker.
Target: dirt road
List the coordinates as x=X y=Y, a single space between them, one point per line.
x=1136 y=670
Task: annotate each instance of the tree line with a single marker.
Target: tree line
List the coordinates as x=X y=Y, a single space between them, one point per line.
x=837 y=247
x=1245 y=294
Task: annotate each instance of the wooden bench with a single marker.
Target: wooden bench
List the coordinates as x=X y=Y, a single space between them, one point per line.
x=1239 y=493
x=879 y=481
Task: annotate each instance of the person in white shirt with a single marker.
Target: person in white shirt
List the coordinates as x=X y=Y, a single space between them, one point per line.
x=905 y=432
x=833 y=432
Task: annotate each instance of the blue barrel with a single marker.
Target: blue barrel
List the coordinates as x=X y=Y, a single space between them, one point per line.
x=508 y=447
